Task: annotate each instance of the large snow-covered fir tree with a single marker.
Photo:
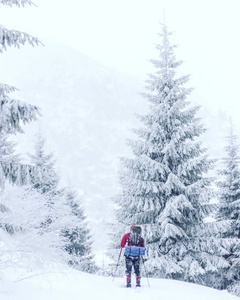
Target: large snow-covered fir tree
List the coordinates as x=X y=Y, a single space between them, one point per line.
x=228 y=215
x=164 y=186
x=14 y=113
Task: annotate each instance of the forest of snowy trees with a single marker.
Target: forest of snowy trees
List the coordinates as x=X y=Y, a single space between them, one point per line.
x=41 y=224
x=165 y=187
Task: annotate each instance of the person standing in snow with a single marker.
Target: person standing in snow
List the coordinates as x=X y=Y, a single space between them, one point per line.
x=133 y=238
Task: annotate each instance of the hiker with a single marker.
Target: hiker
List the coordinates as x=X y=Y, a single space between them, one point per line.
x=132 y=254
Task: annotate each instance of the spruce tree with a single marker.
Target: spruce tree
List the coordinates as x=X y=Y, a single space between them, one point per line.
x=44 y=178
x=230 y=186
x=78 y=238
x=14 y=113
x=7 y=159
x=228 y=215
x=165 y=184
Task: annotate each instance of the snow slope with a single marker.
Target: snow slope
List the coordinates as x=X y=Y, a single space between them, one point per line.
x=77 y=285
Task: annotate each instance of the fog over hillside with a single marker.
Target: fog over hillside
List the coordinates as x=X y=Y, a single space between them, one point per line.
x=87 y=115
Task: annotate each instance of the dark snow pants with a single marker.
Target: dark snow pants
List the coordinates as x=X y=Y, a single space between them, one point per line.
x=135 y=262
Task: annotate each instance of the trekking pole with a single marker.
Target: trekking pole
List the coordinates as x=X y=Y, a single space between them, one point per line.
x=117 y=264
x=145 y=271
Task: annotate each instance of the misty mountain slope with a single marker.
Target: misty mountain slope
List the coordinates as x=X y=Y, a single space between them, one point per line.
x=87 y=109
x=87 y=114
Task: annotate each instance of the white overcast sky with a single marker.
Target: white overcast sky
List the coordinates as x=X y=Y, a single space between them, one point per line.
x=122 y=35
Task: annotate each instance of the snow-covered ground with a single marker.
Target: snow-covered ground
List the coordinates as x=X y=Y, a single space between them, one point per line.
x=72 y=285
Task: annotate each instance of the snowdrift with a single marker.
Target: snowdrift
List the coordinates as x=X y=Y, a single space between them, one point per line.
x=77 y=285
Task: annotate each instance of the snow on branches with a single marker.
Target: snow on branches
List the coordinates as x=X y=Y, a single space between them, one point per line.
x=5 y=89
x=16 y=2
x=12 y=112
x=15 y=38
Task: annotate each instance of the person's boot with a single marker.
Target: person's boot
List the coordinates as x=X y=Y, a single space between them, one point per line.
x=128 y=280
x=138 y=279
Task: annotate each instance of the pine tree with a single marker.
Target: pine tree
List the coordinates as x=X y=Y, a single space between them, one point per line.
x=228 y=215
x=43 y=176
x=230 y=186
x=78 y=238
x=14 y=113
x=7 y=157
x=164 y=186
